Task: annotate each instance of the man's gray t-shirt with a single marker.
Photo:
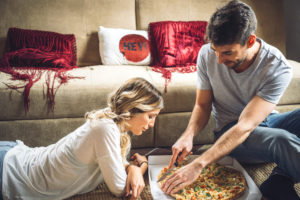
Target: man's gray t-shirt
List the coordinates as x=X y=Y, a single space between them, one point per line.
x=267 y=77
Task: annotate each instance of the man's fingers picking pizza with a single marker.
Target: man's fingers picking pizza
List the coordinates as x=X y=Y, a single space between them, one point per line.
x=178 y=182
x=178 y=177
x=182 y=156
x=175 y=153
x=169 y=188
x=178 y=188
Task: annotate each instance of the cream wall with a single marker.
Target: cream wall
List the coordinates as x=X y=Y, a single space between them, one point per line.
x=270 y=15
x=83 y=17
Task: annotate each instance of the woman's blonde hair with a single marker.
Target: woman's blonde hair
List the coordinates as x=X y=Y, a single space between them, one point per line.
x=137 y=95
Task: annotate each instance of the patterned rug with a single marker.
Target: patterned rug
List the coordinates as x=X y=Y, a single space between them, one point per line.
x=102 y=193
x=260 y=172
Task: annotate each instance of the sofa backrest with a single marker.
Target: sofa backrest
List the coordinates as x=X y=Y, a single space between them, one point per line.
x=79 y=17
x=83 y=18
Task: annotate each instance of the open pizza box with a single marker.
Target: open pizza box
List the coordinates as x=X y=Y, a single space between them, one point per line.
x=158 y=162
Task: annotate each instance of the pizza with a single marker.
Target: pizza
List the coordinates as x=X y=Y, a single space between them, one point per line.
x=215 y=182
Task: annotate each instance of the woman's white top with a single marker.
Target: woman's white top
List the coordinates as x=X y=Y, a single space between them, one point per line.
x=77 y=163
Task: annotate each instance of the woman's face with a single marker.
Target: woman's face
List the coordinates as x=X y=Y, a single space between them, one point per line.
x=142 y=121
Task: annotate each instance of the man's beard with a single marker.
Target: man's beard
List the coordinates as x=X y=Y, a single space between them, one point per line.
x=237 y=64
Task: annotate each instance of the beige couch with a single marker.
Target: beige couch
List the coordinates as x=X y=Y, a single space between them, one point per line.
x=74 y=99
x=78 y=96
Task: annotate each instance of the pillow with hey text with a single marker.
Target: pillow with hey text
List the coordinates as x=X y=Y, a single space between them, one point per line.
x=123 y=46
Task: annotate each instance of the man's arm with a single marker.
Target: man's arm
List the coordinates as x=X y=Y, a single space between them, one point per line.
x=253 y=114
x=201 y=112
x=199 y=118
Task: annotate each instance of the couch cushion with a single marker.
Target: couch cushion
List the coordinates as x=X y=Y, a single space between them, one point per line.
x=79 y=96
x=48 y=131
x=38 y=132
x=176 y=124
x=291 y=95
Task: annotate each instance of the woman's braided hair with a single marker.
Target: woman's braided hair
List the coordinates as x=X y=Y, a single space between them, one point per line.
x=137 y=95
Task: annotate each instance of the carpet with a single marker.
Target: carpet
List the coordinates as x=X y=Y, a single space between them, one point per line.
x=102 y=193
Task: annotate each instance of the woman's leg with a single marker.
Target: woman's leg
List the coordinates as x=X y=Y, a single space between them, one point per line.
x=5 y=146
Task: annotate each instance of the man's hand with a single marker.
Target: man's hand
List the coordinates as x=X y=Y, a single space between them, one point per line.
x=198 y=120
x=181 y=149
x=135 y=182
x=182 y=178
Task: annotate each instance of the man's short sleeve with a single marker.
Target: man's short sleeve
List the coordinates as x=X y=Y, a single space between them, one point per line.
x=274 y=87
x=203 y=82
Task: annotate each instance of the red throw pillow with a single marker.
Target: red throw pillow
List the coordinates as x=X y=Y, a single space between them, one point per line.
x=61 y=44
x=175 y=44
x=39 y=52
x=28 y=57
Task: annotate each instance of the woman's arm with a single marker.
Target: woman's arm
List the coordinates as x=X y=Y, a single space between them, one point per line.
x=118 y=178
x=135 y=180
x=108 y=154
x=140 y=161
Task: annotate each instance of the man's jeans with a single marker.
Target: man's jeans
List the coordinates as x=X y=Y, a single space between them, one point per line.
x=276 y=139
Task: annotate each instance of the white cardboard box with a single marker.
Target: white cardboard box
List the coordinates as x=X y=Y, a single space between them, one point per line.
x=157 y=163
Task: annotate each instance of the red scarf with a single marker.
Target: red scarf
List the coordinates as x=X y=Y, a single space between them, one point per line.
x=34 y=53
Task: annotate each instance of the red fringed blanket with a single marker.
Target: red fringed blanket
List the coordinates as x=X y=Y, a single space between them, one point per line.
x=174 y=46
x=32 y=53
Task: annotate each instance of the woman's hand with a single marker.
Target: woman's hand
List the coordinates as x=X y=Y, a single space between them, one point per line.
x=138 y=159
x=135 y=182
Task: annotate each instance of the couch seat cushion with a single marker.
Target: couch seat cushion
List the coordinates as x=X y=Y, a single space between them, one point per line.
x=79 y=96
x=291 y=95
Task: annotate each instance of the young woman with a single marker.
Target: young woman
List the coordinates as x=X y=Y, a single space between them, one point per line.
x=93 y=153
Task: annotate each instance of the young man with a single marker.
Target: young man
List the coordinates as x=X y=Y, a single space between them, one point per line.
x=241 y=79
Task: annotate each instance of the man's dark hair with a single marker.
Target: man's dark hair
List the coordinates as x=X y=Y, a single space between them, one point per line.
x=233 y=23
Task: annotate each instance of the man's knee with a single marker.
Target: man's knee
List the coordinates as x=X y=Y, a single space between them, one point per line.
x=282 y=137
x=288 y=121
x=296 y=114
x=283 y=144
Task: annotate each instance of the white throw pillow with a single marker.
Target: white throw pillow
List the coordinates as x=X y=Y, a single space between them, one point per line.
x=123 y=47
